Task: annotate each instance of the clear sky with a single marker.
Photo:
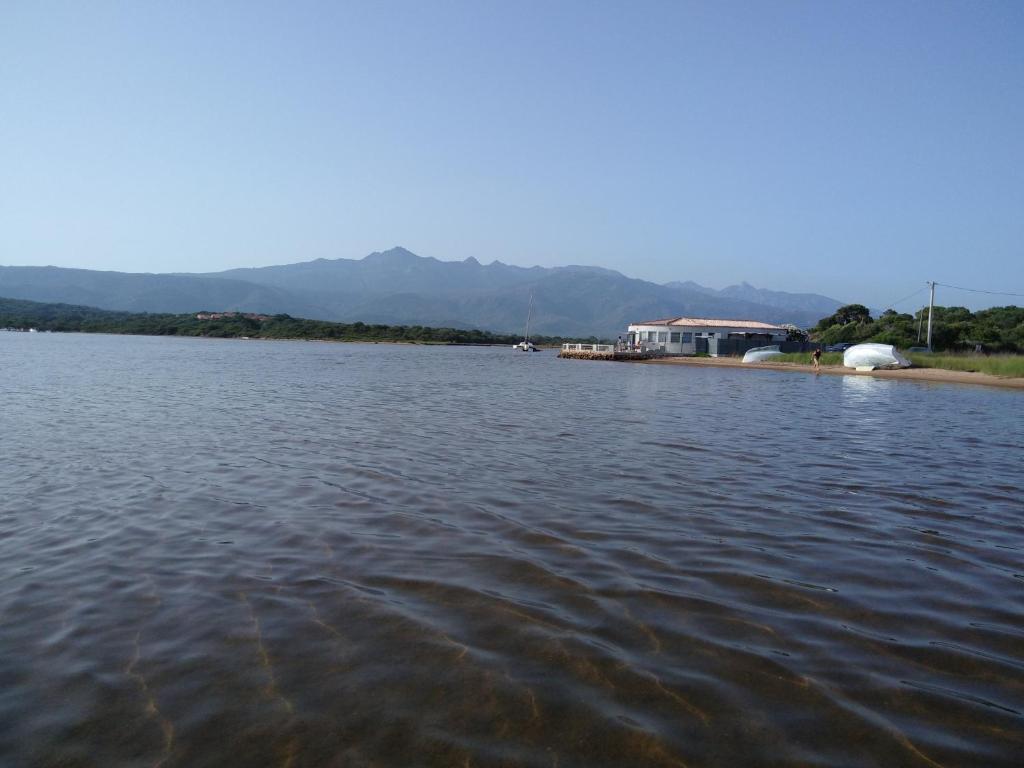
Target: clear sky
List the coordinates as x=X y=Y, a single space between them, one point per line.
x=855 y=149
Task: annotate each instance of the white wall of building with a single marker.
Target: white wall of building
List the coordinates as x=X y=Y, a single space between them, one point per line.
x=680 y=339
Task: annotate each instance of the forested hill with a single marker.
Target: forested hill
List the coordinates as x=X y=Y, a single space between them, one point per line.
x=16 y=314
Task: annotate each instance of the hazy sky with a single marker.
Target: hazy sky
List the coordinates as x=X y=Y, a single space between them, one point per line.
x=851 y=148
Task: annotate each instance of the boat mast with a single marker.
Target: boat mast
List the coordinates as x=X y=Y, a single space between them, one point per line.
x=529 y=312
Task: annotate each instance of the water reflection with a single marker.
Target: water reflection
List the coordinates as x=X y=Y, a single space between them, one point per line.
x=866 y=390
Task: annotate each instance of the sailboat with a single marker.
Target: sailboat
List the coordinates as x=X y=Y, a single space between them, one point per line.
x=526 y=345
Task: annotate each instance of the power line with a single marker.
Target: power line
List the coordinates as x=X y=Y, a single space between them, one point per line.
x=979 y=290
x=900 y=301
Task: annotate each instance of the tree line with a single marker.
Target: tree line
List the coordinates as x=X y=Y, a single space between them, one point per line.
x=998 y=329
x=67 y=318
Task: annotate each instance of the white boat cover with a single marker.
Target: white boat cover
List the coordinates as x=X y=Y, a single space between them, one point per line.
x=874 y=356
x=759 y=354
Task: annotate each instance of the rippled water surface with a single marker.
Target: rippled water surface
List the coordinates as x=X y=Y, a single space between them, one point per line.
x=299 y=554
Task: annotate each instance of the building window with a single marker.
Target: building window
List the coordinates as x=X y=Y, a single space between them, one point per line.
x=674 y=338
x=688 y=337
x=663 y=336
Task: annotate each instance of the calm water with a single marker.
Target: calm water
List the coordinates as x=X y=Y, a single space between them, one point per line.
x=298 y=554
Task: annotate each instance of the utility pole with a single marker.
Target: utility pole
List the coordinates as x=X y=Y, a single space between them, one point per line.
x=931 y=305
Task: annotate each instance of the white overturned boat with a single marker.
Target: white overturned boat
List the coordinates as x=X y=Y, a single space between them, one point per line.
x=868 y=357
x=760 y=354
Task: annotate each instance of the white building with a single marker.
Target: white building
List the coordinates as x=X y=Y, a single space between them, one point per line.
x=690 y=335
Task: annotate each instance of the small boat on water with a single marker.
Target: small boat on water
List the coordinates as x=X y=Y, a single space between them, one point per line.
x=868 y=357
x=760 y=354
x=526 y=345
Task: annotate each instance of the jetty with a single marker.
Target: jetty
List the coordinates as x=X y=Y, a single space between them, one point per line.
x=607 y=352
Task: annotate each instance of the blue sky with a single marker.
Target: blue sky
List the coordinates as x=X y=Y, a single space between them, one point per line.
x=855 y=149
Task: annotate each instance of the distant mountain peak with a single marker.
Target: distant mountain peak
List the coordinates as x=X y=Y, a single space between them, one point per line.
x=584 y=269
x=471 y=260
x=806 y=302
x=690 y=286
x=398 y=253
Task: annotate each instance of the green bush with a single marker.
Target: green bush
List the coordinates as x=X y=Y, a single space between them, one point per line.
x=998 y=329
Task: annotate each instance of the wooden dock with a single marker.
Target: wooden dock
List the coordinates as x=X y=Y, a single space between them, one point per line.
x=606 y=352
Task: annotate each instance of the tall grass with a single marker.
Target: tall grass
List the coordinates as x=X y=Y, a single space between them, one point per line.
x=997 y=365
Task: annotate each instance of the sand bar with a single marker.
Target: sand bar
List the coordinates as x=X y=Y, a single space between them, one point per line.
x=940 y=375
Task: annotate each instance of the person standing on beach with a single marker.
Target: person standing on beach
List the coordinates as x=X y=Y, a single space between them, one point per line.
x=816 y=359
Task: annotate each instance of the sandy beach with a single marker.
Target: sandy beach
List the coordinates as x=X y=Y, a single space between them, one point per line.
x=939 y=375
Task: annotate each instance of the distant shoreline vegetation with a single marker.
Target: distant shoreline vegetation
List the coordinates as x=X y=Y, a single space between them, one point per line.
x=17 y=314
x=955 y=329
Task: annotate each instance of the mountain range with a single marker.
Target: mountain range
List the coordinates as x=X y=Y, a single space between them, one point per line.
x=399 y=287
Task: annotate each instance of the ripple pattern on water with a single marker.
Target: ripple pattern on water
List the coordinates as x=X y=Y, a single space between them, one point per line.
x=301 y=554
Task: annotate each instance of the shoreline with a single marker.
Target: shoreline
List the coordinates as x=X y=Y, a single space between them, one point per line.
x=934 y=375
x=410 y=342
